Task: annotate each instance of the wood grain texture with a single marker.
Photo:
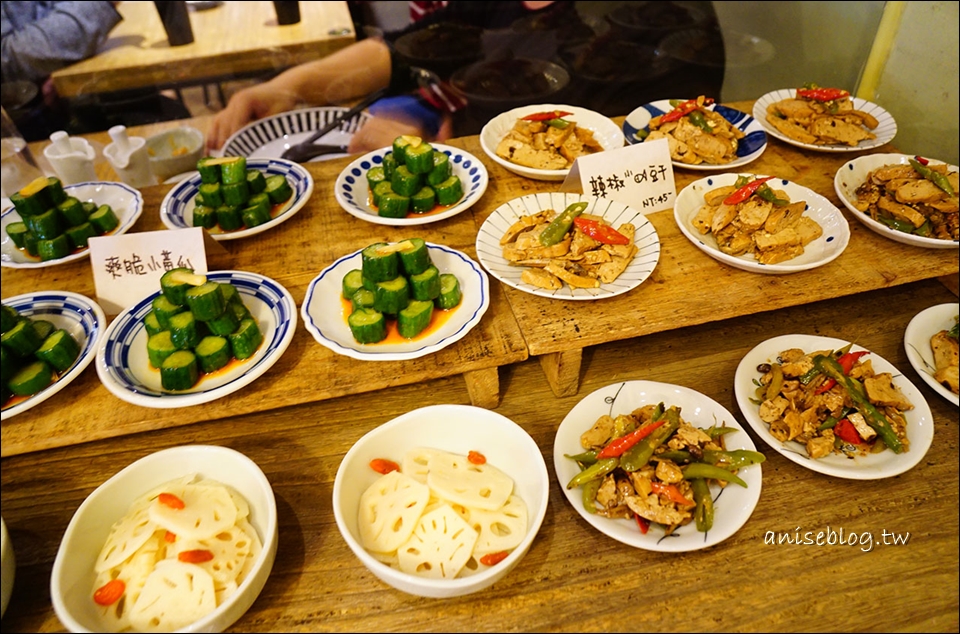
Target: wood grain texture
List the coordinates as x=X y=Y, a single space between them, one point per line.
x=232 y=39
x=574 y=579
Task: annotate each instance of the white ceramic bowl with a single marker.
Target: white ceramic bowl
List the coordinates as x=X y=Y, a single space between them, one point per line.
x=8 y=567
x=174 y=152
x=457 y=429
x=604 y=130
x=71 y=584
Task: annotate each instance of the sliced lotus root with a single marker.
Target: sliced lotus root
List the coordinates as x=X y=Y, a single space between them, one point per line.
x=439 y=547
x=175 y=595
x=389 y=511
x=458 y=480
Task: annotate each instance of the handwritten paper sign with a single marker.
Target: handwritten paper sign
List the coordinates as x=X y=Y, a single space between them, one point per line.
x=640 y=176
x=128 y=267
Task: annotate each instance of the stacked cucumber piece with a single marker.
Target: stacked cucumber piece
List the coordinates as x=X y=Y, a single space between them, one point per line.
x=413 y=178
x=234 y=197
x=398 y=281
x=53 y=224
x=34 y=353
x=197 y=326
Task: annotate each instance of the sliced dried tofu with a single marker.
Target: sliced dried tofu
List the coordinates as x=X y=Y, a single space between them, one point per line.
x=416 y=463
x=439 y=547
x=175 y=595
x=458 y=480
x=230 y=548
x=126 y=536
x=502 y=529
x=208 y=509
x=389 y=511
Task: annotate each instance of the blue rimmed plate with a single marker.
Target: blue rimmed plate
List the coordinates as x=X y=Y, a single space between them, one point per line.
x=826 y=248
x=749 y=148
x=885 y=130
x=352 y=192
x=125 y=370
x=126 y=202
x=176 y=210
x=80 y=316
x=272 y=136
x=733 y=504
x=490 y=251
x=324 y=317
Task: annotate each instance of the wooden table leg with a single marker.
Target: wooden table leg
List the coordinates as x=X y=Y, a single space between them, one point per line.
x=563 y=371
x=483 y=387
x=952 y=282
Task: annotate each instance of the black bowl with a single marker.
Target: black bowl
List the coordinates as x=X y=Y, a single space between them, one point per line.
x=509 y=83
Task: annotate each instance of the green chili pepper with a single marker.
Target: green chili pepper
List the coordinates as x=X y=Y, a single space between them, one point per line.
x=703 y=514
x=736 y=458
x=641 y=134
x=710 y=472
x=589 y=493
x=595 y=471
x=829 y=423
x=896 y=223
x=741 y=181
x=767 y=193
x=715 y=432
x=587 y=457
x=679 y=456
x=933 y=176
x=558 y=123
x=858 y=394
x=776 y=381
x=561 y=224
x=639 y=455
x=696 y=118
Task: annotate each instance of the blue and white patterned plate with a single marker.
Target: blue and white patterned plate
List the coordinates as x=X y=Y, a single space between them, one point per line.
x=324 y=317
x=176 y=210
x=126 y=202
x=490 y=251
x=80 y=316
x=272 y=136
x=749 y=148
x=352 y=192
x=826 y=248
x=885 y=131
x=125 y=370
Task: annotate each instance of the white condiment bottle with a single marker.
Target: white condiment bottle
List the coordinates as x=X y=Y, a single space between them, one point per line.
x=71 y=158
x=129 y=157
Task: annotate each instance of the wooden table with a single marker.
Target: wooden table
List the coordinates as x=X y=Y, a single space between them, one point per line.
x=233 y=40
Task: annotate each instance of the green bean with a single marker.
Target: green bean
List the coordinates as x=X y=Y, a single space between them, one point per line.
x=595 y=471
x=703 y=514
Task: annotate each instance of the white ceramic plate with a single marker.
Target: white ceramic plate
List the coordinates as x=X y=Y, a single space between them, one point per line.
x=854 y=173
x=491 y=253
x=749 y=148
x=353 y=193
x=836 y=231
x=272 y=136
x=176 y=210
x=869 y=467
x=733 y=504
x=885 y=131
x=126 y=202
x=125 y=370
x=80 y=316
x=324 y=317
x=916 y=341
x=605 y=131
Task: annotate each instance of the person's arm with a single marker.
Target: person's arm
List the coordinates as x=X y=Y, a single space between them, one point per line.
x=350 y=73
x=68 y=33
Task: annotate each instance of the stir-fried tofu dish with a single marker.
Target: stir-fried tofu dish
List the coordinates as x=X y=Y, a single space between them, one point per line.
x=573 y=248
x=946 y=357
x=652 y=466
x=822 y=116
x=547 y=141
x=696 y=134
x=920 y=199
x=832 y=401
x=751 y=218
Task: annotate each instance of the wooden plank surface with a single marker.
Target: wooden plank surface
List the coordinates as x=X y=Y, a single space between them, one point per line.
x=234 y=38
x=573 y=579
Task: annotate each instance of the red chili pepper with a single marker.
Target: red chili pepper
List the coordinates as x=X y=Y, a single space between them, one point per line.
x=921 y=160
x=110 y=592
x=492 y=559
x=600 y=232
x=617 y=446
x=384 y=466
x=846 y=361
x=822 y=94
x=642 y=523
x=672 y=493
x=546 y=116
x=476 y=457
x=745 y=192
x=198 y=556
x=684 y=109
x=169 y=499
x=846 y=431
